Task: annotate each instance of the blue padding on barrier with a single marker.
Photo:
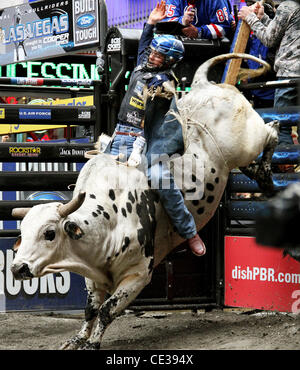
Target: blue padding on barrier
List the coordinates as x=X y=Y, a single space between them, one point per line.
x=286 y=154
x=240 y=183
x=286 y=116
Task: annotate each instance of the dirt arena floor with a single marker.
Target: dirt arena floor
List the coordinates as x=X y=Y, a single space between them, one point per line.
x=159 y=330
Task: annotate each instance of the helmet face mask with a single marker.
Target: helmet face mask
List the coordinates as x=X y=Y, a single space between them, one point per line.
x=156 y=59
x=165 y=51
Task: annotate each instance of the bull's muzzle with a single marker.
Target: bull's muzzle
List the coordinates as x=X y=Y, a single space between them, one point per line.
x=21 y=272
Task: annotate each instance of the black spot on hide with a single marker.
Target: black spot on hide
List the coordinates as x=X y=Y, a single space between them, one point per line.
x=195 y=202
x=106 y=215
x=93 y=196
x=112 y=194
x=123 y=210
x=115 y=208
x=191 y=190
x=90 y=312
x=213 y=170
x=95 y=214
x=217 y=180
x=105 y=311
x=86 y=222
x=145 y=210
x=194 y=179
x=150 y=267
x=210 y=199
x=129 y=207
x=200 y=210
x=126 y=243
x=100 y=208
x=131 y=197
x=210 y=186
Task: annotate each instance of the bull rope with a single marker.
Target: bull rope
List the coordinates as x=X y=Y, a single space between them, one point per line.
x=185 y=121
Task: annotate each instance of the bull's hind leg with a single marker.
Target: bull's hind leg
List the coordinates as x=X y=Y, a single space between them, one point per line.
x=261 y=171
x=125 y=293
x=94 y=300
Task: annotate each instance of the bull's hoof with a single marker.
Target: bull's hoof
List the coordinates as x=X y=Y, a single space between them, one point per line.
x=73 y=343
x=92 y=346
x=265 y=182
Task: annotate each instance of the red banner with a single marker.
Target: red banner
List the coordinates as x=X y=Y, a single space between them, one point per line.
x=260 y=277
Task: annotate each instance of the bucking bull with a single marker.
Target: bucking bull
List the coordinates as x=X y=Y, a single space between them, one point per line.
x=115 y=236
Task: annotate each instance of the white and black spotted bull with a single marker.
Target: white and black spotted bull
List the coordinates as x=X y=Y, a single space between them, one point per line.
x=115 y=235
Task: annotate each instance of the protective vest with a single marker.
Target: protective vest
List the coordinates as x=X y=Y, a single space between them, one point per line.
x=132 y=110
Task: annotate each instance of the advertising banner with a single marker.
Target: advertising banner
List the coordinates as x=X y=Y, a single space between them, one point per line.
x=48 y=28
x=62 y=291
x=17 y=129
x=260 y=277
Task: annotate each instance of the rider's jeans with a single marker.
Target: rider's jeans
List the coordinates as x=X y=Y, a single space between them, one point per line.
x=124 y=143
x=161 y=181
x=172 y=199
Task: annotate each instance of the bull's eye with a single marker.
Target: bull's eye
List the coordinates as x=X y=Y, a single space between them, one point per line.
x=49 y=235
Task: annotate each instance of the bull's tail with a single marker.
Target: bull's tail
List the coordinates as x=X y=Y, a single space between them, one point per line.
x=201 y=74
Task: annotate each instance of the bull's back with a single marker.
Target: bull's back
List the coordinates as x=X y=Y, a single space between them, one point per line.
x=231 y=124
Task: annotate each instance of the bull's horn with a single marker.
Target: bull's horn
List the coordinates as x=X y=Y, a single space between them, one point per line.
x=20 y=213
x=72 y=206
x=200 y=77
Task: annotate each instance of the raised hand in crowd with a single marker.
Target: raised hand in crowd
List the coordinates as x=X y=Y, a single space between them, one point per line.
x=158 y=13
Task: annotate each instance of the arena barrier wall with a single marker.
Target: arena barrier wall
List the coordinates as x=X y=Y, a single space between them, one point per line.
x=256 y=276
x=39 y=172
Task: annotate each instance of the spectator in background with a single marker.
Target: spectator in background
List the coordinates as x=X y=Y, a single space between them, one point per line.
x=262 y=98
x=5 y=138
x=205 y=19
x=38 y=136
x=283 y=33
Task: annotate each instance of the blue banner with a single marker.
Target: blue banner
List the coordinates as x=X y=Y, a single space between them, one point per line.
x=62 y=291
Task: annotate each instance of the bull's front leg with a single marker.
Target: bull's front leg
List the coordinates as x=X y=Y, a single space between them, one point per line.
x=126 y=292
x=95 y=298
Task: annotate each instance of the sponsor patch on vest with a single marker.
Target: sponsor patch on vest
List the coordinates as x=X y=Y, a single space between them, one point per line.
x=137 y=103
x=139 y=87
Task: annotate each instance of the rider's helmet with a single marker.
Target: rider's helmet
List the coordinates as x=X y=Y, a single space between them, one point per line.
x=170 y=47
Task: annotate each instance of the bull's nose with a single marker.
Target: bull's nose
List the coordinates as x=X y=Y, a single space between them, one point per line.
x=21 y=271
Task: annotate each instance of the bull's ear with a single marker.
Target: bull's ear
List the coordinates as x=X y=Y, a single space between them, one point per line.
x=73 y=230
x=17 y=244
